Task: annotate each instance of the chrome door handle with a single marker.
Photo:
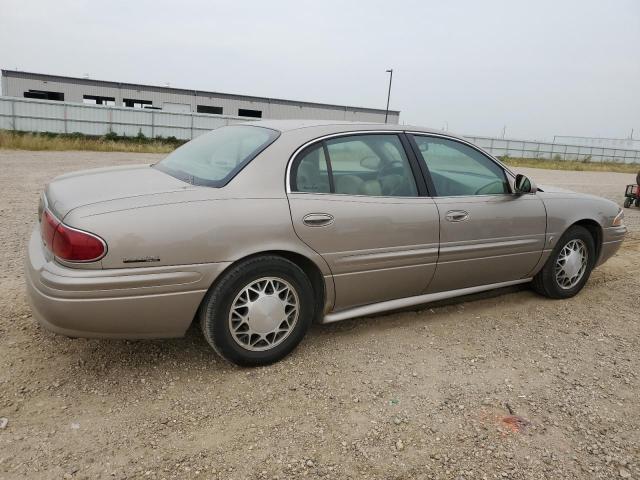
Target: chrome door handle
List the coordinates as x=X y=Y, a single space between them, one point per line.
x=317 y=219
x=457 y=216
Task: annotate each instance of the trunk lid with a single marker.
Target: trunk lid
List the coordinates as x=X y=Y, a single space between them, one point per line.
x=89 y=187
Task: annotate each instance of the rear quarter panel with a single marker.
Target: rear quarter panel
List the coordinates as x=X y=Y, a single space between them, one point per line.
x=205 y=231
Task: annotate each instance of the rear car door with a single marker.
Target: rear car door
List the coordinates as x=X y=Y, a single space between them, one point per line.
x=487 y=233
x=359 y=201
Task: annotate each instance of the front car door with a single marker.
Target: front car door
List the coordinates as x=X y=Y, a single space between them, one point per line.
x=360 y=202
x=487 y=233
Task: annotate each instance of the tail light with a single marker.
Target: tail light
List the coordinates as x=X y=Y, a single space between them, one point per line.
x=68 y=243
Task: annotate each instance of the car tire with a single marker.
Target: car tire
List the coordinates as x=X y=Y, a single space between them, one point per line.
x=638 y=203
x=258 y=311
x=627 y=202
x=569 y=265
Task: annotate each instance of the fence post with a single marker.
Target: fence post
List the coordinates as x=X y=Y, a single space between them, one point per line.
x=565 y=152
x=153 y=124
x=66 y=128
x=192 y=126
x=13 y=115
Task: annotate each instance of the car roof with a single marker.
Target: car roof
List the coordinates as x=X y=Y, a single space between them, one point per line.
x=289 y=125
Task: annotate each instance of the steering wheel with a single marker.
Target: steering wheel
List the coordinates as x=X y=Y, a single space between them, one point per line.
x=487 y=189
x=390 y=168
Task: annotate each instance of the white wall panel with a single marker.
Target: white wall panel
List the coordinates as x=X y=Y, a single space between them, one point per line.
x=16 y=83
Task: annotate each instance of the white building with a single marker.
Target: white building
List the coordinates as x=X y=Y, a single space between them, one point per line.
x=178 y=100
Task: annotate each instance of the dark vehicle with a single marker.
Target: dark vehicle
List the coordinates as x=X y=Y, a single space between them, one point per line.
x=632 y=195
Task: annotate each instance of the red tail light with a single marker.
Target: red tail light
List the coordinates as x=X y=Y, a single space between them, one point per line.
x=69 y=243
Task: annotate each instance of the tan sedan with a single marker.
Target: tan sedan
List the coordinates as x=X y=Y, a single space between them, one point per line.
x=257 y=230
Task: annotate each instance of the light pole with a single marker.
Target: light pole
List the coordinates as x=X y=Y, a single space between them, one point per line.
x=386 y=113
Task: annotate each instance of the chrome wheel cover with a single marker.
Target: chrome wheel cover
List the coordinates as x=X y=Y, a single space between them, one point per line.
x=264 y=314
x=571 y=264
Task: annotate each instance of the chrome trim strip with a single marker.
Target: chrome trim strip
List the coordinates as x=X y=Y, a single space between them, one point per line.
x=324 y=137
x=385 y=132
x=69 y=284
x=388 y=255
x=411 y=301
x=447 y=248
x=385 y=197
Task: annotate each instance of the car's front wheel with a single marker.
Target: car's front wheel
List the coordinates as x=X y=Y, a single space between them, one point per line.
x=258 y=312
x=569 y=265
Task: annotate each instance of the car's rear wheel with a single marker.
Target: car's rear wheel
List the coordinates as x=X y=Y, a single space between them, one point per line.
x=258 y=312
x=569 y=265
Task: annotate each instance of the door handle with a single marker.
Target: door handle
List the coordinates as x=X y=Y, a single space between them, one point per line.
x=457 y=216
x=317 y=219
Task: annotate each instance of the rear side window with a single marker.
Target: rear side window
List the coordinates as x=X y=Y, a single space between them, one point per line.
x=214 y=158
x=311 y=174
x=371 y=165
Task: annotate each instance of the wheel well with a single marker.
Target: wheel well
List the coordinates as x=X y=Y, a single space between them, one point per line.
x=309 y=268
x=596 y=232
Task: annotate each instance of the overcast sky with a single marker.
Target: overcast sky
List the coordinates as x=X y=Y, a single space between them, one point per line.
x=541 y=67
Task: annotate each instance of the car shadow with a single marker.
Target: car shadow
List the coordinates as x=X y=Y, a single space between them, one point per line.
x=193 y=352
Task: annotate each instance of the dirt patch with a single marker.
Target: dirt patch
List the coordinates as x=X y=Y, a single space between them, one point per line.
x=419 y=394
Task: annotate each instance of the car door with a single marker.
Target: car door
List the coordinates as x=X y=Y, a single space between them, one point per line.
x=487 y=233
x=359 y=201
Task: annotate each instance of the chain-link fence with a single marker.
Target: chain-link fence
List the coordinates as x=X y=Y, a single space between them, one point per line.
x=553 y=151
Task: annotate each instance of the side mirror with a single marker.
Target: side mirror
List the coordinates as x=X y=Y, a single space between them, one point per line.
x=524 y=185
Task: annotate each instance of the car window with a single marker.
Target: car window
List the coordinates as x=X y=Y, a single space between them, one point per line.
x=457 y=169
x=310 y=172
x=373 y=165
x=216 y=157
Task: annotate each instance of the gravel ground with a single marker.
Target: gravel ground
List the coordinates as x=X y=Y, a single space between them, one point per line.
x=417 y=394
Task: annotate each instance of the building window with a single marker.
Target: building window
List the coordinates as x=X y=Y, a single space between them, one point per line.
x=242 y=112
x=209 y=109
x=97 y=100
x=132 y=103
x=43 y=95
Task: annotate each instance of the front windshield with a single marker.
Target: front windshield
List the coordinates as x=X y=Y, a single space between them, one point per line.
x=214 y=158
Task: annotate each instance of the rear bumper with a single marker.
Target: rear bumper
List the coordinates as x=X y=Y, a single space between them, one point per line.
x=148 y=302
x=612 y=239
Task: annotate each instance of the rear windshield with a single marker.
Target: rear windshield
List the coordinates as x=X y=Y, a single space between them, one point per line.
x=214 y=158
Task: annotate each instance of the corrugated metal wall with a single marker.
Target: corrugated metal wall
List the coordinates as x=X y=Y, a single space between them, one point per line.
x=64 y=117
x=16 y=83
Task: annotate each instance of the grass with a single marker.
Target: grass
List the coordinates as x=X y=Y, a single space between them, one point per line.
x=583 y=166
x=74 y=141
